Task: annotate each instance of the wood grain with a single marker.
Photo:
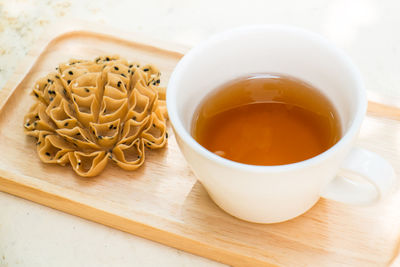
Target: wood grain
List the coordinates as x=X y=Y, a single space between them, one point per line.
x=162 y=201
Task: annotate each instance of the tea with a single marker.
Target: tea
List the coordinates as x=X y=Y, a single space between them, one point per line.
x=266 y=119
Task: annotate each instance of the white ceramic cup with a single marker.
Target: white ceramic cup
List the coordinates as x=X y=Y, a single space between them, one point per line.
x=270 y=194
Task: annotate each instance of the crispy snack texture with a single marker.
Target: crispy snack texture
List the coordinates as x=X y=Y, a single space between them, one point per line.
x=89 y=112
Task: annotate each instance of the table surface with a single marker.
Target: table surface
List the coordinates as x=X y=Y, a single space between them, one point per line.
x=33 y=235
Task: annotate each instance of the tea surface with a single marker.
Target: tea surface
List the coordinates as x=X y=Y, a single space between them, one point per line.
x=266 y=119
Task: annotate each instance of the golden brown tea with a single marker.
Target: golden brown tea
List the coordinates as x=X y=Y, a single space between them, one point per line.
x=266 y=119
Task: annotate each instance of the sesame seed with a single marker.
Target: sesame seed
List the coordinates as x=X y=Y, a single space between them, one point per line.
x=66 y=124
x=36 y=95
x=154 y=83
x=78 y=134
x=69 y=81
x=38 y=143
x=115 y=127
x=129 y=71
x=48 y=80
x=111 y=126
x=146 y=69
x=51 y=99
x=65 y=91
x=130 y=66
x=37 y=117
x=134 y=118
x=123 y=75
x=59 y=157
x=100 y=137
x=119 y=84
x=138 y=157
x=116 y=68
x=137 y=65
x=48 y=154
x=166 y=135
x=70 y=73
x=79 y=163
x=158 y=81
x=87 y=90
x=94 y=132
x=58 y=77
x=107 y=58
x=154 y=125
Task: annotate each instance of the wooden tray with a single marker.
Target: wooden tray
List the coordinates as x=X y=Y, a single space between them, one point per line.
x=162 y=200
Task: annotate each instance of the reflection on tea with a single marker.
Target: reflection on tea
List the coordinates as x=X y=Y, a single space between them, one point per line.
x=266 y=119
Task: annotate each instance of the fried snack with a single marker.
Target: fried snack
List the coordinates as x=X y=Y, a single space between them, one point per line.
x=89 y=112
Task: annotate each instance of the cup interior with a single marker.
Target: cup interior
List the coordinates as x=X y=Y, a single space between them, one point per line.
x=265 y=49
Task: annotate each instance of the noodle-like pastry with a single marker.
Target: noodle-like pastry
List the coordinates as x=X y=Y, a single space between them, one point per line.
x=90 y=112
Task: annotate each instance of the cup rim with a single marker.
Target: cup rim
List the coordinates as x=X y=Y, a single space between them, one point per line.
x=180 y=130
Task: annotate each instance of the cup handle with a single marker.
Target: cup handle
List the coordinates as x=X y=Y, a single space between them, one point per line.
x=364 y=178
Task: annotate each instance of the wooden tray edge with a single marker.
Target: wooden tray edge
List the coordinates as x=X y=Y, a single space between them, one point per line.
x=102 y=216
x=64 y=29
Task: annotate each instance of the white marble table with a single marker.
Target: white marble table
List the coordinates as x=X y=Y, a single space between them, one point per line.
x=33 y=235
